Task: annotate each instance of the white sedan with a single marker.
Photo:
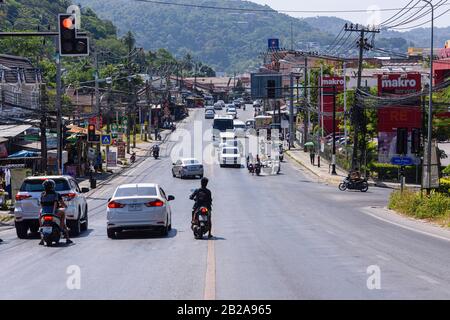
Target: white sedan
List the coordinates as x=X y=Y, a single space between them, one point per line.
x=142 y=206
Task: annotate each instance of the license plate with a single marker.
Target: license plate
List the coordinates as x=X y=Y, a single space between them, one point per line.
x=134 y=207
x=47 y=230
x=202 y=218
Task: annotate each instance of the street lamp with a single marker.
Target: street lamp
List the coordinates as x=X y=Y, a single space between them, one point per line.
x=430 y=115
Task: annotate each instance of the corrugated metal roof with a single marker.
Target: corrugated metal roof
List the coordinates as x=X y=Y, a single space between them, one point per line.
x=11 y=131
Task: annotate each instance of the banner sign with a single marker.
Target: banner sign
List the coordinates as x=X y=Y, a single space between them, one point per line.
x=328 y=82
x=393 y=117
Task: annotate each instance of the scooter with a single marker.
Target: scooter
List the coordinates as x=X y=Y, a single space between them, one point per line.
x=258 y=169
x=133 y=157
x=155 y=153
x=251 y=168
x=50 y=229
x=361 y=185
x=201 y=222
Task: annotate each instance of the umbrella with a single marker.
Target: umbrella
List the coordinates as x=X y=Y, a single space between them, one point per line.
x=309 y=144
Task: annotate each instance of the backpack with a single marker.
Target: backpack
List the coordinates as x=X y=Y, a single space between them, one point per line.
x=202 y=196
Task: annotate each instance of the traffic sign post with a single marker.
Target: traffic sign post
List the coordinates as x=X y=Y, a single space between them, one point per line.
x=401 y=161
x=106 y=139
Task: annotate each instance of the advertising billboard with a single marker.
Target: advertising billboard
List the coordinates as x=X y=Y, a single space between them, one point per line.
x=328 y=82
x=398 y=119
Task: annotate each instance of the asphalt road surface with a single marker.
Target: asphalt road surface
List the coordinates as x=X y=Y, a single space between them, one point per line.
x=276 y=237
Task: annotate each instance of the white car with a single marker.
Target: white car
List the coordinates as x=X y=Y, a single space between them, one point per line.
x=232 y=143
x=230 y=156
x=232 y=112
x=27 y=206
x=239 y=128
x=141 y=206
x=187 y=167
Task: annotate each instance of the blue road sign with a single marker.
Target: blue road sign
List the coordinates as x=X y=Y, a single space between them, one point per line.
x=399 y=161
x=106 y=139
x=274 y=44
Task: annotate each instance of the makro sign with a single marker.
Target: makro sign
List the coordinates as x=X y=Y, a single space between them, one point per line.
x=394 y=117
x=399 y=83
x=330 y=83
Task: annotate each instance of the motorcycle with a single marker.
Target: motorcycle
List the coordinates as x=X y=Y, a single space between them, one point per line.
x=133 y=157
x=258 y=169
x=361 y=185
x=200 y=226
x=251 y=168
x=50 y=229
x=155 y=153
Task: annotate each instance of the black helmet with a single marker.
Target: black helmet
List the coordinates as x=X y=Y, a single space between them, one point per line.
x=49 y=185
x=204 y=182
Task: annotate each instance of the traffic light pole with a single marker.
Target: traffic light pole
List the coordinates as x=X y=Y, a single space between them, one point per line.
x=59 y=115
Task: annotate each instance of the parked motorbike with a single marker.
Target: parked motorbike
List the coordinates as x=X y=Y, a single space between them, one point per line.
x=50 y=229
x=361 y=185
x=201 y=222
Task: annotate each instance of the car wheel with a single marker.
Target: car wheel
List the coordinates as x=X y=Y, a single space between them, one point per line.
x=111 y=233
x=165 y=230
x=173 y=174
x=74 y=227
x=21 y=229
x=85 y=224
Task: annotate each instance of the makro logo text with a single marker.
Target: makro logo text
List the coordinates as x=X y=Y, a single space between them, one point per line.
x=399 y=83
x=333 y=82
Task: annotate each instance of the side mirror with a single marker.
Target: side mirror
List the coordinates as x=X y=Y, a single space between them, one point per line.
x=171 y=198
x=109 y=199
x=84 y=190
x=174 y=164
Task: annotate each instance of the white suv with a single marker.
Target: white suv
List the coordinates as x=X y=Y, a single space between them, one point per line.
x=27 y=206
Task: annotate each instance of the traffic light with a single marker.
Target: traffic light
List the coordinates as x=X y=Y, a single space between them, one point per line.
x=271 y=89
x=415 y=141
x=65 y=135
x=92 y=137
x=402 y=141
x=69 y=43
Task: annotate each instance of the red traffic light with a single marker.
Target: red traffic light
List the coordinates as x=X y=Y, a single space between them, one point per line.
x=67 y=23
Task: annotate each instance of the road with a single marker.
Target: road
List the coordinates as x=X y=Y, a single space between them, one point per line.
x=276 y=237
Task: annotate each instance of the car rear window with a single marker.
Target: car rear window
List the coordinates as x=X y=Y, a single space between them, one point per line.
x=190 y=162
x=135 y=191
x=35 y=185
x=230 y=151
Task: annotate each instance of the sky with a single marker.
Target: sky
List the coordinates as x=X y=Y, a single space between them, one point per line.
x=360 y=17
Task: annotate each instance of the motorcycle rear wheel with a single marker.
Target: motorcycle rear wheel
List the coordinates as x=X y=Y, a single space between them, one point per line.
x=364 y=187
x=342 y=186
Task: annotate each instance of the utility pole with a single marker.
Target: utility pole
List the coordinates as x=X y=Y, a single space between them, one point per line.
x=43 y=102
x=98 y=109
x=291 y=113
x=59 y=115
x=358 y=116
x=147 y=95
x=333 y=158
x=305 y=116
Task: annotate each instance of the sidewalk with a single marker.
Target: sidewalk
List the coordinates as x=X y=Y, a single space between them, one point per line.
x=324 y=172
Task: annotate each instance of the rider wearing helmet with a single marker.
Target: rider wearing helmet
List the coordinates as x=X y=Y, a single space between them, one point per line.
x=203 y=198
x=51 y=201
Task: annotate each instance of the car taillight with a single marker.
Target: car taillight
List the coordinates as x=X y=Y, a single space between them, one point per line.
x=115 y=205
x=204 y=211
x=20 y=197
x=48 y=218
x=69 y=196
x=156 y=203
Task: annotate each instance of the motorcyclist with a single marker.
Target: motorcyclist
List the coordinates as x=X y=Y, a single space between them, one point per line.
x=50 y=202
x=203 y=198
x=133 y=157
x=155 y=148
x=355 y=175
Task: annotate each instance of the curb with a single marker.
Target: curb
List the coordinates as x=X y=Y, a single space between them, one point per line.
x=326 y=180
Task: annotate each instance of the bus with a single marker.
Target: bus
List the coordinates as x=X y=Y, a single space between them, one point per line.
x=222 y=124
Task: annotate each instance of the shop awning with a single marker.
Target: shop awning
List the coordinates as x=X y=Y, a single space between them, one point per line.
x=11 y=131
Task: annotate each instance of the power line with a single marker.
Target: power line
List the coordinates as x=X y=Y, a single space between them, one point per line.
x=199 y=6
x=395 y=15
x=421 y=24
x=414 y=16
